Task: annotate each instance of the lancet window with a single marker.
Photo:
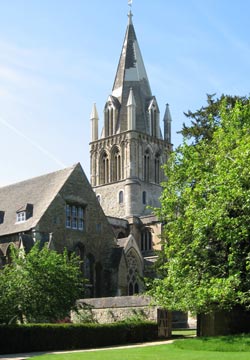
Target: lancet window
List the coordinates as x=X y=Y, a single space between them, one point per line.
x=120 y=197
x=104 y=168
x=146 y=240
x=116 y=165
x=153 y=114
x=110 y=119
x=157 y=168
x=146 y=166
x=133 y=274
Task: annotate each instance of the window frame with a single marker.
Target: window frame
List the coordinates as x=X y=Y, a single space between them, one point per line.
x=75 y=217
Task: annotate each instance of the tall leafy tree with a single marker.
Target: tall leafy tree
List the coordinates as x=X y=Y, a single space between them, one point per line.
x=205 y=206
x=41 y=286
x=204 y=121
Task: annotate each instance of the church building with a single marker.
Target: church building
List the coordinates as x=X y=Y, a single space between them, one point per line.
x=128 y=153
x=108 y=222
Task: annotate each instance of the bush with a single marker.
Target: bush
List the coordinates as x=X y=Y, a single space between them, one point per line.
x=51 y=337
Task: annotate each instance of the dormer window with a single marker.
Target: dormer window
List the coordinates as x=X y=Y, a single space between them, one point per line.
x=21 y=216
x=24 y=213
x=1 y=217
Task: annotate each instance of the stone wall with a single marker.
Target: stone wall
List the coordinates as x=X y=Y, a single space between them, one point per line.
x=112 y=309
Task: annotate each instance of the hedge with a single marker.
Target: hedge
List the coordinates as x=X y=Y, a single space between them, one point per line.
x=52 y=337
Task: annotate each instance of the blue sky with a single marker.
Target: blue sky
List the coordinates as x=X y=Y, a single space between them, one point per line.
x=58 y=57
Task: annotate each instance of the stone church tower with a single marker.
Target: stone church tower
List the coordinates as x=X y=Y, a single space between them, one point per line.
x=127 y=157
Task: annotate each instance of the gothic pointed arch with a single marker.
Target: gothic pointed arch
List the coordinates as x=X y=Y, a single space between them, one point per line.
x=135 y=264
x=157 y=167
x=153 y=116
x=104 y=167
x=146 y=240
x=111 y=111
x=134 y=272
x=116 y=164
x=146 y=165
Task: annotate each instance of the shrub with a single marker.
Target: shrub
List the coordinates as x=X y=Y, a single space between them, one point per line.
x=51 y=337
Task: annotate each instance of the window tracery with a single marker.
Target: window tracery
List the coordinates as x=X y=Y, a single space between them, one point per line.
x=133 y=274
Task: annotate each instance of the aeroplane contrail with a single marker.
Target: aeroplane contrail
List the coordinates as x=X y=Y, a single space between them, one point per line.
x=33 y=143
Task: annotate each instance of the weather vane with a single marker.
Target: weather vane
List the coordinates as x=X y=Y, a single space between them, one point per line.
x=130 y=3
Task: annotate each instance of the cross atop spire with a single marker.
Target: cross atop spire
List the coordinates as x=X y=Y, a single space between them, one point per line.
x=130 y=12
x=130 y=15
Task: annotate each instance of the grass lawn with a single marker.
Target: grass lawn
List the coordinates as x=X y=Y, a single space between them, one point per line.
x=219 y=348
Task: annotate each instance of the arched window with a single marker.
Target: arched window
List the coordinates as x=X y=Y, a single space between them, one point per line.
x=133 y=274
x=153 y=116
x=146 y=240
x=146 y=165
x=157 y=168
x=104 y=168
x=120 y=197
x=144 y=198
x=116 y=164
x=110 y=118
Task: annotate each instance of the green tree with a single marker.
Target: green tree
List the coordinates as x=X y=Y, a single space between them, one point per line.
x=204 y=121
x=41 y=286
x=205 y=206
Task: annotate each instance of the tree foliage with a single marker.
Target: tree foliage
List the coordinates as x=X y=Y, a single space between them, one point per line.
x=41 y=286
x=205 y=206
x=204 y=121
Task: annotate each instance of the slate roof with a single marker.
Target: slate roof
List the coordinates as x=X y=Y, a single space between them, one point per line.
x=131 y=66
x=131 y=73
x=39 y=192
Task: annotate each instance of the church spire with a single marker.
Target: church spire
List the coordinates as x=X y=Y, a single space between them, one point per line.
x=126 y=160
x=131 y=66
x=131 y=72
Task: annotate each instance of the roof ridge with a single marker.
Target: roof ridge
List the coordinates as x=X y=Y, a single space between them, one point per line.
x=72 y=167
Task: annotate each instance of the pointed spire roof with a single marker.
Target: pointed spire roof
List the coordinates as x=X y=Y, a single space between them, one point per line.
x=167 y=124
x=131 y=73
x=131 y=98
x=94 y=113
x=131 y=66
